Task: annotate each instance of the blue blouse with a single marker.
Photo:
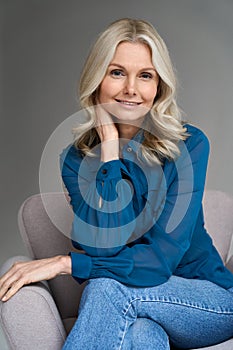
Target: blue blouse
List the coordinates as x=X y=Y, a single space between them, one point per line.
x=139 y=223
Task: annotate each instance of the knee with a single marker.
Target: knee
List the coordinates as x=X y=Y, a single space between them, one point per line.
x=147 y=334
x=97 y=288
x=104 y=286
x=106 y=291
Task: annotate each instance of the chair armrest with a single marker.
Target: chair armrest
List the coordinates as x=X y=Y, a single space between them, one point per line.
x=31 y=319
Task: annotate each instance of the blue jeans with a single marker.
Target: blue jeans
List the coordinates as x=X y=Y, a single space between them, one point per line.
x=182 y=313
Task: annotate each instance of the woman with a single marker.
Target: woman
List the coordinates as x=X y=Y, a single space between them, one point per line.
x=135 y=175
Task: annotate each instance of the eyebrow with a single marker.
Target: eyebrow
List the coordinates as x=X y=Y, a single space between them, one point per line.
x=120 y=66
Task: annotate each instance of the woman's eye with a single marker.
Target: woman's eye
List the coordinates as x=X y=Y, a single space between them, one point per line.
x=116 y=73
x=146 y=75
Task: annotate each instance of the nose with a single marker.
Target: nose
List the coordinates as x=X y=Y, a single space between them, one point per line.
x=130 y=86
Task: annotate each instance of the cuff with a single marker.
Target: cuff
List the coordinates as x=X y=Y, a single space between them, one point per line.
x=81 y=265
x=109 y=170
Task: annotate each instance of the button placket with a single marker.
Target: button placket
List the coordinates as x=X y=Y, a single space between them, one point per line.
x=105 y=172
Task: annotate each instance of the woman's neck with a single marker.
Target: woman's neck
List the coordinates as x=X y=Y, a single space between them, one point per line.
x=127 y=131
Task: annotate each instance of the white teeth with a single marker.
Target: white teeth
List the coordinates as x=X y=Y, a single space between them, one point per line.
x=128 y=103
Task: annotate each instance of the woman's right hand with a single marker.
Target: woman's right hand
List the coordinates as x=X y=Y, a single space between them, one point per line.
x=108 y=134
x=26 y=272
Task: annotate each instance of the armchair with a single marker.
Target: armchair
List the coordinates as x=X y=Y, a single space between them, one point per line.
x=40 y=315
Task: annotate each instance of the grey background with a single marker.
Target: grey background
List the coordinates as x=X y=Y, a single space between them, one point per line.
x=43 y=46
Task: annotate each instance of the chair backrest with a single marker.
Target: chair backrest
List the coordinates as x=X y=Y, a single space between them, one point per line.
x=44 y=239
x=218 y=212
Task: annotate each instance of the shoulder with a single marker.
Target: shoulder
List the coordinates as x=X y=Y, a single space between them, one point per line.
x=196 y=138
x=70 y=151
x=71 y=157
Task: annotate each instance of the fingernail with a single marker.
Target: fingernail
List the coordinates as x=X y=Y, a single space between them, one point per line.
x=4 y=299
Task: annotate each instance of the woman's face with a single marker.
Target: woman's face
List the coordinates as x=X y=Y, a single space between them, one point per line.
x=130 y=83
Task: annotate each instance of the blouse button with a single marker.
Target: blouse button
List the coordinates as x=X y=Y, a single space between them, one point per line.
x=129 y=149
x=104 y=171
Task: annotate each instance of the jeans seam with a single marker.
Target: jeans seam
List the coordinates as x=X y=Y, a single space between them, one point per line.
x=127 y=321
x=119 y=312
x=123 y=335
x=124 y=317
x=225 y=312
x=130 y=305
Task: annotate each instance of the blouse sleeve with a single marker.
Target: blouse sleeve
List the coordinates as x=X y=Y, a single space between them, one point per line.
x=101 y=201
x=151 y=260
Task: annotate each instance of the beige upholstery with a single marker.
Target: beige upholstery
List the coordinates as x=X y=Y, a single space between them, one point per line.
x=43 y=239
x=45 y=312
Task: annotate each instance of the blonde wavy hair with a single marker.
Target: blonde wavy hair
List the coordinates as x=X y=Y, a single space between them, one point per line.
x=165 y=117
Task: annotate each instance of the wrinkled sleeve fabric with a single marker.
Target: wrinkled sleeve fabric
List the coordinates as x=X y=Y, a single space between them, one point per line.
x=152 y=259
x=101 y=201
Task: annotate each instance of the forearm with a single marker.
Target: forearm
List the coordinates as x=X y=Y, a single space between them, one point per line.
x=23 y=273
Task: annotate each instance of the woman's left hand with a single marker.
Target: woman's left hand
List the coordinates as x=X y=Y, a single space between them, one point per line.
x=108 y=134
x=22 y=273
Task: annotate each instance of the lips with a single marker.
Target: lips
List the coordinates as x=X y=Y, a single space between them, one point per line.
x=129 y=103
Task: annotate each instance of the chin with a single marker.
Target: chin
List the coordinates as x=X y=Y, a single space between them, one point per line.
x=126 y=113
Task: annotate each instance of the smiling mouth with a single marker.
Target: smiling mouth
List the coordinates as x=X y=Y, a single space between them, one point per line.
x=129 y=103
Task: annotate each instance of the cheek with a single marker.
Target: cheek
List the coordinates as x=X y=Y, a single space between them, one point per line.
x=107 y=90
x=150 y=94
x=102 y=91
